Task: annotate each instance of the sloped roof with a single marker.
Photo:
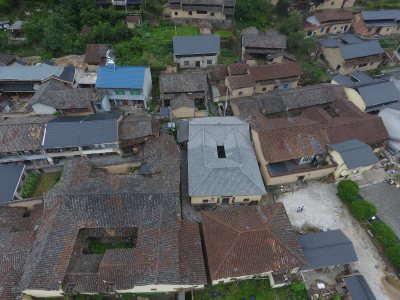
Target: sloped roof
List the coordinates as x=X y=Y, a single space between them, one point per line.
x=363 y=49
x=196 y=45
x=237 y=174
x=241 y=81
x=154 y=221
x=377 y=95
x=120 y=77
x=355 y=153
x=217 y=72
x=359 y=288
x=56 y=94
x=183 y=82
x=133 y=127
x=299 y=137
x=332 y=15
x=355 y=79
x=327 y=249
x=271 y=39
x=275 y=71
x=72 y=131
x=238 y=69
x=22 y=134
x=30 y=73
x=6 y=59
x=182 y=100
x=380 y=15
x=9 y=179
x=249 y=240
x=96 y=54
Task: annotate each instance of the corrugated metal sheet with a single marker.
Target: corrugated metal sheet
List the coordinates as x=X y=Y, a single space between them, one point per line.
x=355 y=153
x=120 y=77
x=9 y=178
x=196 y=45
x=359 y=288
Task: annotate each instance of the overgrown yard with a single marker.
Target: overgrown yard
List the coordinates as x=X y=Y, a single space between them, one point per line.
x=39 y=184
x=259 y=288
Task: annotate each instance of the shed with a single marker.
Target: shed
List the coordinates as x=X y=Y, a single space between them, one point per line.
x=358 y=288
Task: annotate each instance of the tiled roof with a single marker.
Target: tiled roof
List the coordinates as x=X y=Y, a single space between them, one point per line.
x=271 y=39
x=217 y=72
x=22 y=134
x=196 y=45
x=182 y=100
x=133 y=19
x=275 y=71
x=238 y=69
x=56 y=94
x=183 y=82
x=297 y=138
x=332 y=15
x=120 y=77
x=154 y=221
x=209 y=175
x=96 y=54
x=30 y=73
x=249 y=240
x=241 y=81
x=6 y=59
x=134 y=127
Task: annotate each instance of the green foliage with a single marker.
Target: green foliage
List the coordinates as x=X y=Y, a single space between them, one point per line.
x=384 y=234
x=293 y=23
x=298 y=44
x=253 y=13
x=379 y=4
x=393 y=254
x=298 y=291
x=282 y=8
x=97 y=247
x=30 y=185
x=348 y=191
x=312 y=73
x=8 y=5
x=362 y=209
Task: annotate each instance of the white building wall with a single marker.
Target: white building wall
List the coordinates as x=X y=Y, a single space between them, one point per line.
x=148 y=85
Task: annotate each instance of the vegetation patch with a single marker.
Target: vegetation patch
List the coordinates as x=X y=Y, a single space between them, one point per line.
x=100 y=246
x=30 y=185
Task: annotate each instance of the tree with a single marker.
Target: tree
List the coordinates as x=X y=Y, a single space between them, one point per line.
x=393 y=254
x=253 y=13
x=282 y=8
x=293 y=23
x=383 y=233
x=58 y=36
x=362 y=209
x=348 y=191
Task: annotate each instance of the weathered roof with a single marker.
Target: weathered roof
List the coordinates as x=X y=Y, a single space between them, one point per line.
x=22 y=134
x=296 y=138
x=249 y=240
x=238 y=69
x=332 y=15
x=241 y=81
x=133 y=19
x=363 y=49
x=183 y=82
x=327 y=249
x=380 y=15
x=182 y=100
x=182 y=134
x=10 y=176
x=134 y=127
x=217 y=72
x=196 y=45
x=355 y=79
x=359 y=288
x=6 y=59
x=275 y=71
x=29 y=73
x=152 y=220
x=56 y=94
x=355 y=153
x=73 y=131
x=271 y=39
x=237 y=174
x=378 y=95
x=120 y=77
x=96 y=54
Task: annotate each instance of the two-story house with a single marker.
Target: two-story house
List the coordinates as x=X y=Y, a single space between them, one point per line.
x=378 y=22
x=216 y=11
x=127 y=87
x=222 y=166
x=326 y=22
x=196 y=51
x=348 y=53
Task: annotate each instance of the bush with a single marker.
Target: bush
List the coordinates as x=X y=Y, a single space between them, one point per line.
x=362 y=209
x=383 y=234
x=30 y=185
x=348 y=191
x=393 y=254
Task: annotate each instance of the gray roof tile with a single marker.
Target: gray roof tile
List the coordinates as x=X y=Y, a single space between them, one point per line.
x=355 y=153
x=196 y=45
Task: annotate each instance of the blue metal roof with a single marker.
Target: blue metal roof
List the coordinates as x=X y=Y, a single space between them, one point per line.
x=196 y=45
x=363 y=49
x=381 y=15
x=120 y=77
x=350 y=39
x=356 y=79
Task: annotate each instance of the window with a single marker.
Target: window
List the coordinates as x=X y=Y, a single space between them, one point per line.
x=371 y=63
x=190 y=13
x=387 y=29
x=136 y=92
x=322 y=29
x=240 y=93
x=309 y=33
x=186 y=63
x=212 y=14
x=334 y=28
x=264 y=89
x=205 y=201
x=176 y=13
x=300 y=178
x=98 y=106
x=333 y=3
x=119 y=92
x=246 y=200
x=209 y=62
x=221 y=152
x=338 y=67
x=362 y=65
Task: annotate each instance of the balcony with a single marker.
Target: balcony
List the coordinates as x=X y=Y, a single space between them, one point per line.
x=292 y=167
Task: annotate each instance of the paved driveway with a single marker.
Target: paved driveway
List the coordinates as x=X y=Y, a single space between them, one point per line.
x=387 y=200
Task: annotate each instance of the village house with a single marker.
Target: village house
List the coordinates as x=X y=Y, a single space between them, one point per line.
x=68 y=136
x=11 y=179
x=26 y=79
x=217 y=11
x=351 y=157
x=391 y=119
x=196 y=51
x=266 y=46
x=54 y=96
x=379 y=22
x=367 y=93
x=127 y=87
x=185 y=93
x=290 y=150
x=326 y=22
x=308 y=5
x=216 y=76
x=133 y=21
x=16 y=31
x=96 y=55
x=348 y=53
x=222 y=167
x=4 y=24
x=358 y=288
x=249 y=243
x=240 y=85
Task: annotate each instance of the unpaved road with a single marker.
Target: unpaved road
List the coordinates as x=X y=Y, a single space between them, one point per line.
x=323 y=209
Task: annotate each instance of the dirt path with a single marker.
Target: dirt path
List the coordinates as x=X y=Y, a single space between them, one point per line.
x=323 y=209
